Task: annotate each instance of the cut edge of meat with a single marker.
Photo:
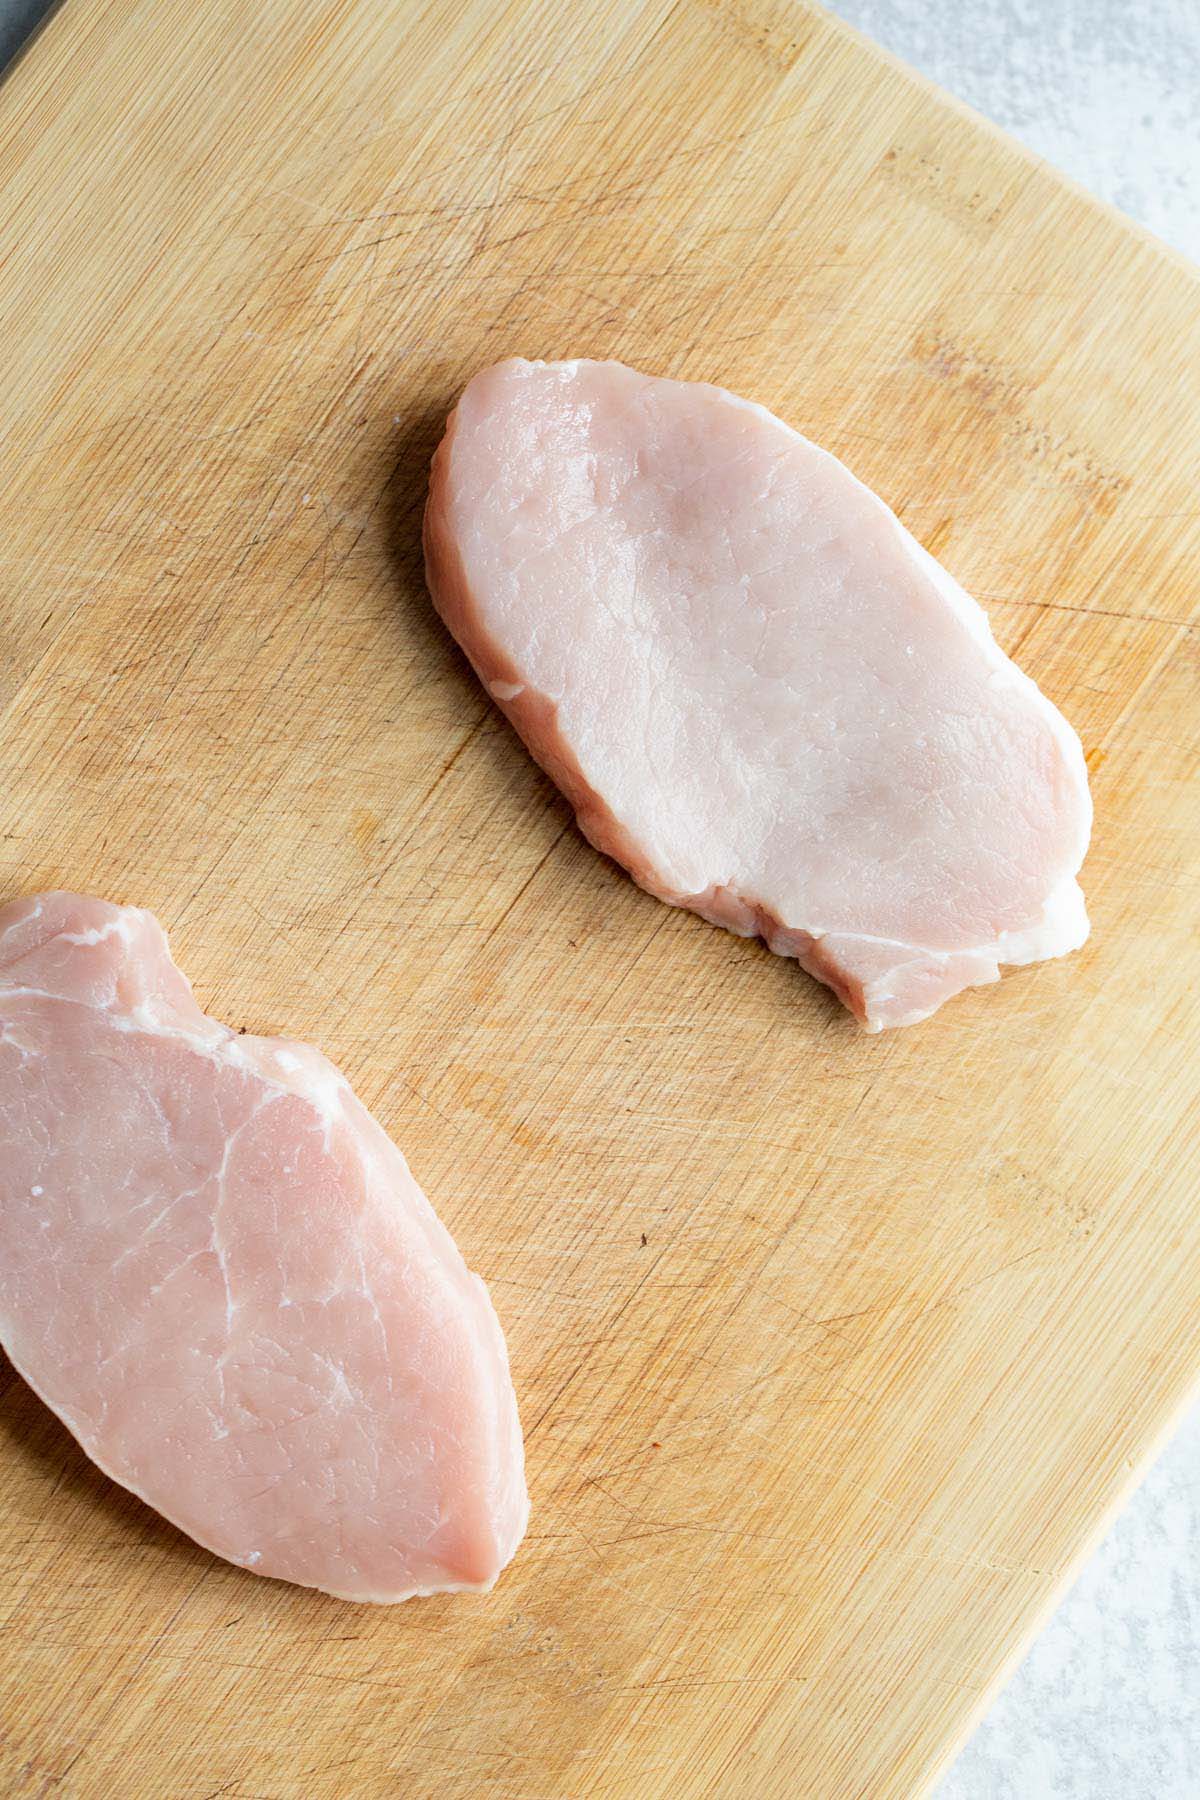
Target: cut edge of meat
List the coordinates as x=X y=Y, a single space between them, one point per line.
x=878 y=992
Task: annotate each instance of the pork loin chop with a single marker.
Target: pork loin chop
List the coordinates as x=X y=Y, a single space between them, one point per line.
x=217 y=1269
x=758 y=691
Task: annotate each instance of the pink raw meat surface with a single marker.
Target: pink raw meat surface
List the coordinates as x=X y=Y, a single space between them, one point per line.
x=217 y=1269
x=758 y=691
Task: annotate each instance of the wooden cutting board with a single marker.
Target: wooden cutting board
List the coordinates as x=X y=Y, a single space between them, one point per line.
x=834 y=1352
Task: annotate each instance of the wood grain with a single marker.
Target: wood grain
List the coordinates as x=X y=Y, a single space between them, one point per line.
x=833 y=1352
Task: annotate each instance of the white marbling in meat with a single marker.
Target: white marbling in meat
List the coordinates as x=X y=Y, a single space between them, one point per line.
x=217 y=1269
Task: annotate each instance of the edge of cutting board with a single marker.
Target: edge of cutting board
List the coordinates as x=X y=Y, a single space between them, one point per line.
x=45 y=60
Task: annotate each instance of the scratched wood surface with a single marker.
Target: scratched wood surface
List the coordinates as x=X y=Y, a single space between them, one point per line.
x=833 y=1352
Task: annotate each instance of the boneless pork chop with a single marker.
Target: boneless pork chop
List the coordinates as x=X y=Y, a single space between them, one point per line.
x=759 y=693
x=217 y=1269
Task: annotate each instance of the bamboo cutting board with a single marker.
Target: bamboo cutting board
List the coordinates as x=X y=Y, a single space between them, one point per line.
x=833 y=1352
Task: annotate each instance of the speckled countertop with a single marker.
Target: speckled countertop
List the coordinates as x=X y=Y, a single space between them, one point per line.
x=1106 y=1706
x=1106 y=90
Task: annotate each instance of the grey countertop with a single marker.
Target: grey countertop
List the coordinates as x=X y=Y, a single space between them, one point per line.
x=1106 y=90
x=1106 y=1705
x=17 y=20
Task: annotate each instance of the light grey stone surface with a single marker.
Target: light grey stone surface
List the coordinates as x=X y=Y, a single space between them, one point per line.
x=1106 y=90
x=1106 y=1706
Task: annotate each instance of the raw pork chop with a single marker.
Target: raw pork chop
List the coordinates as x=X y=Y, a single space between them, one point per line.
x=759 y=693
x=217 y=1269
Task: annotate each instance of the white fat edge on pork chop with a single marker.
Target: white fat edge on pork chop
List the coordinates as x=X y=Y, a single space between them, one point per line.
x=820 y=944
